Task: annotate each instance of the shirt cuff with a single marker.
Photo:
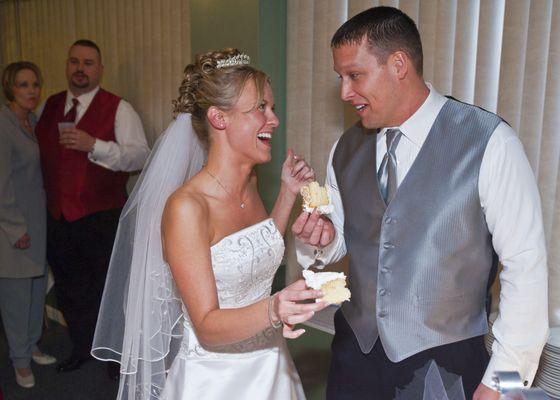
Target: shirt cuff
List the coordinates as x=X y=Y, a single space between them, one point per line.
x=312 y=256
x=100 y=149
x=97 y=149
x=306 y=254
x=527 y=373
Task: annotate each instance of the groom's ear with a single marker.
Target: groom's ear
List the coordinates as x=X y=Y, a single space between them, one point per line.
x=216 y=118
x=399 y=64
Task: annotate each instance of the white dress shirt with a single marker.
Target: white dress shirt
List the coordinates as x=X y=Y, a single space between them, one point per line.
x=130 y=150
x=510 y=200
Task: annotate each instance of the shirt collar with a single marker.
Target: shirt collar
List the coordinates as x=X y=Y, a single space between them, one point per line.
x=84 y=99
x=417 y=127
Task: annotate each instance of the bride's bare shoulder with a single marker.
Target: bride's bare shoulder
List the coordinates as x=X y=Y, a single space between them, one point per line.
x=185 y=223
x=189 y=202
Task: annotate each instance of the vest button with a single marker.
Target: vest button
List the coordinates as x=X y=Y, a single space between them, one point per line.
x=385 y=270
x=383 y=292
x=382 y=314
x=388 y=245
x=388 y=220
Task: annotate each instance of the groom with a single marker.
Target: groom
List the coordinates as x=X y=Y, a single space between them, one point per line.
x=427 y=191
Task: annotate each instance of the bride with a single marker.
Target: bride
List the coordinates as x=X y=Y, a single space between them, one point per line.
x=196 y=252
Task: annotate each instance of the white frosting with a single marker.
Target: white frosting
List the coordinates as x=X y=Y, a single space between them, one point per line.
x=316 y=279
x=322 y=209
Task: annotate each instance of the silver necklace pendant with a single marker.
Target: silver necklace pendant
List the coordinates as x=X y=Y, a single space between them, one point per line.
x=242 y=205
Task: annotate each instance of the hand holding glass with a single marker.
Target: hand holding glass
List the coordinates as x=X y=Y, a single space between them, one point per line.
x=65 y=125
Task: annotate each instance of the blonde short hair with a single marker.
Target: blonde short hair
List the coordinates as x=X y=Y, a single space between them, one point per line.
x=9 y=76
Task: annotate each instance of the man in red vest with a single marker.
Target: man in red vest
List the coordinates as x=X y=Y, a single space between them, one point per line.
x=85 y=167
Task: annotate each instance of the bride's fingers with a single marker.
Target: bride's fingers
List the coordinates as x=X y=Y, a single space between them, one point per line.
x=299 y=295
x=320 y=305
x=290 y=156
x=296 y=308
x=291 y=160
x=305 y=174
x=309 y=175
x=294 y=313
x=302 y=171
x=293 y=165
x=299 y=166
x=299 y=318
x=289 y=333
x=297 y=285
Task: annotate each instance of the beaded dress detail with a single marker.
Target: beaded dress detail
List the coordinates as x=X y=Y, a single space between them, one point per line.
x=244 y=264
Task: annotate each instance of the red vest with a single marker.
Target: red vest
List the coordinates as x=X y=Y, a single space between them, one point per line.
x=75 y=186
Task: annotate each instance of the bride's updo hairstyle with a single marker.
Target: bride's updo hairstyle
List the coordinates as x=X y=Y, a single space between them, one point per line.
x=205 y=84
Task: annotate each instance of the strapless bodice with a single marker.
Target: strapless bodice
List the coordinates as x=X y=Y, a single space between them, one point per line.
x=245 y=262
x=259 y=367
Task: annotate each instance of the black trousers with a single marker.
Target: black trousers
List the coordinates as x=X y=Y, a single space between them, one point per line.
x=79 y=253
x=357 y=376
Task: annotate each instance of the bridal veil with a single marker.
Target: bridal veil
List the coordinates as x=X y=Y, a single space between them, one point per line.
x=139 y=323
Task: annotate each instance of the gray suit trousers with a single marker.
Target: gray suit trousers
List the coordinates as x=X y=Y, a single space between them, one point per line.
x=22 y=303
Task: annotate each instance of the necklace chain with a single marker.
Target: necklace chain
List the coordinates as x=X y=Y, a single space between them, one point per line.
x=242 y=205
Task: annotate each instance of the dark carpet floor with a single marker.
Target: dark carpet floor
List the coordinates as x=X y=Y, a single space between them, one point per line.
x=90 y=382
x=310 y=352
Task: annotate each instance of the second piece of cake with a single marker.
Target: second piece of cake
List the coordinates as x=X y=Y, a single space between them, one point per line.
x=332 y=284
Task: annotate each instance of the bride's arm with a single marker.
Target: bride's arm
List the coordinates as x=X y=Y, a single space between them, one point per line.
x=295 y=174
x=186 y=245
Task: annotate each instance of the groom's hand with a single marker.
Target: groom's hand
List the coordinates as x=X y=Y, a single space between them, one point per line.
x=313 y=229
x=483 y=392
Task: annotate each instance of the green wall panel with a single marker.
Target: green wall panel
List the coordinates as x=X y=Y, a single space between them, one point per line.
x=216 y=24
x=272 y=59
x=257 y=27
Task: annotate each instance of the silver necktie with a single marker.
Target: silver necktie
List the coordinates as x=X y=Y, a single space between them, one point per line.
x=387 y=174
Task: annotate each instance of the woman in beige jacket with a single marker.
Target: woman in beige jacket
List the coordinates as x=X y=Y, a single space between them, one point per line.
x=22 y=221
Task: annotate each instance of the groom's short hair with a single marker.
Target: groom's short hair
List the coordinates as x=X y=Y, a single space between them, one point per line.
x=386 y=29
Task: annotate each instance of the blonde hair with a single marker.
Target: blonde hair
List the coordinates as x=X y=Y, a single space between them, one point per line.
x=10 y=73
x=204 y=85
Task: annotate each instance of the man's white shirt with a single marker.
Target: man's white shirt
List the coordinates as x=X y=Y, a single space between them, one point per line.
x=130 y=149
x=510 y=201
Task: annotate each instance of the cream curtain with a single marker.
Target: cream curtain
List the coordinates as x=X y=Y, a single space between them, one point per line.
x=145 y=45
x=313 y=114
x=501 y=55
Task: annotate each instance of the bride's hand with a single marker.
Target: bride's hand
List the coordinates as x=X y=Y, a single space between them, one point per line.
x=296 y=172
x=286 y=307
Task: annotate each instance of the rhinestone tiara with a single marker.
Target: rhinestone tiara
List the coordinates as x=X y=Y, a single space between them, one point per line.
x=239 y=59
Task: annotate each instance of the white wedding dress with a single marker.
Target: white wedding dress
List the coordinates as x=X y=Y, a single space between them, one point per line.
x=244 y=265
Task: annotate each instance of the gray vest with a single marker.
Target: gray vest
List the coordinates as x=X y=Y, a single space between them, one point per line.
x=419 y=268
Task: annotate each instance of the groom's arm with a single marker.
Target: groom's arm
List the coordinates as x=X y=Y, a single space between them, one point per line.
x=510 y=199
x=320 y=240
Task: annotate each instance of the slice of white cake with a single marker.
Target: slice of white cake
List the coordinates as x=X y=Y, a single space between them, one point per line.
x=316 y=197
x=332 y=284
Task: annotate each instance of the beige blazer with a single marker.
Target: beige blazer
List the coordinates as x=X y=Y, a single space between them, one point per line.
x=22 y=200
